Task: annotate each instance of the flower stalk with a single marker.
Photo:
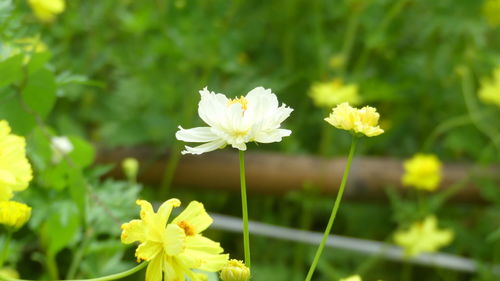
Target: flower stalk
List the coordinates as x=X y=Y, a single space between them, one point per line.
x=5 y=250
x=335 y=209
x=244 y=209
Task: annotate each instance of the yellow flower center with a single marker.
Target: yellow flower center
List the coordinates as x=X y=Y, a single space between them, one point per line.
x=241 y=100
x=188 y=229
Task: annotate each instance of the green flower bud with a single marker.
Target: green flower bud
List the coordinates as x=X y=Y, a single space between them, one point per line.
x=130 y=167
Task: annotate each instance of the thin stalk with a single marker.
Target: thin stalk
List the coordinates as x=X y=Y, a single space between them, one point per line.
x=335 y=209
x=244 y=209
x=5 y=250
x=51 y=264
x=79 y=254
x=104 y=278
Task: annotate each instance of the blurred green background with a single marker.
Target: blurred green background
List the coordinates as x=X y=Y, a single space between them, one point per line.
x=127 y=73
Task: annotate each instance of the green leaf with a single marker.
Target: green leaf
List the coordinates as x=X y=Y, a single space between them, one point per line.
x=11 y=70
x=11 y=110
x=60 y=228
x=83 y=153
x=38 y=60
x=40 y=92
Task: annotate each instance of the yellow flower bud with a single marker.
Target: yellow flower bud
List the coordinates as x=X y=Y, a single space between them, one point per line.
x=490 y=88
x=235 y=270
x=130 y=167
x=46 y=10
x=14 y=214
x=359 y=121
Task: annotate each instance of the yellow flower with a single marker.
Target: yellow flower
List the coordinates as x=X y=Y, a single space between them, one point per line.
x=47 y=10
x=15 y=170
x=9 y=272
x=26 y=46
x=332 y=93
x=352 y=278
x=422 y=171
x=490 y=88
x=235 y=270
x=13 y=214
x=177 y=247
x=360 y=121
x=491 y=10
x=423 y=236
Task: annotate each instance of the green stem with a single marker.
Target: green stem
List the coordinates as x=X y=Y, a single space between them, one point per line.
x=79 y=254
x=335 y=209
x=244 y=209
x=5 y=250
x=104 y=278
x=51 y=264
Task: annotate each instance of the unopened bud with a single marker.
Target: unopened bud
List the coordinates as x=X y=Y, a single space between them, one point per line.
x=235 y=270
x=130 y=167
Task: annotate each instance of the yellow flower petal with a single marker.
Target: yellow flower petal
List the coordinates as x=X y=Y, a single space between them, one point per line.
x=194 y=219
x=133 y=231
x=154 y=270
x=359 y=121
x=166 y=208
x=174 y=240
x=148 y=250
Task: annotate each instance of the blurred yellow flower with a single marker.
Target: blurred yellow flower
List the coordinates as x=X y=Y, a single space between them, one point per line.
x=360 y=121
x=352 y=278
x=490 y=88
x=423 y=236
x=47 y=10
x=13 y=214
x=15 y=170
x=174 y=248
x=337 y=61
x=491 y=10
x=422 y=171
x=331 y=93
x=235 y=270
x=26 y=46
x=9 y=272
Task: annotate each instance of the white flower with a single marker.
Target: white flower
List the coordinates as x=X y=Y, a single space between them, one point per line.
x=255 y=117
x=60 y=146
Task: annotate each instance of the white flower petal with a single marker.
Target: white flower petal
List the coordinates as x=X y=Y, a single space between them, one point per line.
x=272 y=136
x=212 y=107
x=199 y=134
x=207 y=147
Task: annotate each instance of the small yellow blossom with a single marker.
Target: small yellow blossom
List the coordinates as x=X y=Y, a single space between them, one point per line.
x=13 y=214
x=422 y=171
x=235 y=270
x=352 y=278
x=177 y=247
x=491 y=10
x=47 y=10
x=423 y=236
x=15 y=170
x=490 y=88
x=360 y=121
x=331 y=93
x=130 y=167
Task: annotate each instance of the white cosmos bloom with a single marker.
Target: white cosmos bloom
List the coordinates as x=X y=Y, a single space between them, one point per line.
x=255 y=117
